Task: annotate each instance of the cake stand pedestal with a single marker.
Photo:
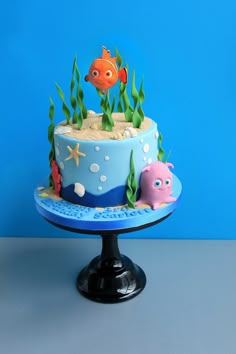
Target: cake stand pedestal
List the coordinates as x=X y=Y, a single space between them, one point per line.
x=110 y=277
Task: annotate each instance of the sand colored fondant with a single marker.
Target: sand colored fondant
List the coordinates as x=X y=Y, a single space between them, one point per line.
x=91 y=129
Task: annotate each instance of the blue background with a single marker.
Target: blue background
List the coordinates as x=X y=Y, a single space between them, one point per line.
x=186 y=51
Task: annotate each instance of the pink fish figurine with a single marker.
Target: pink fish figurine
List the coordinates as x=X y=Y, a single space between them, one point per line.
x=156 y=185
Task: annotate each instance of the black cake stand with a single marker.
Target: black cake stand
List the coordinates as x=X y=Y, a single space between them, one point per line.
x=109 y=277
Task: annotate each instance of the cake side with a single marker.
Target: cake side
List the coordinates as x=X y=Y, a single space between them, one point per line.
x=107 y=159
x=95 y=164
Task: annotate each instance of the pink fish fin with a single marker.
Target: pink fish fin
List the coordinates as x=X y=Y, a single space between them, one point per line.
x=170 y=200
x=155 y=205
x=146 y=169
x=123 y=75
x=106 y=53
x=168 y=164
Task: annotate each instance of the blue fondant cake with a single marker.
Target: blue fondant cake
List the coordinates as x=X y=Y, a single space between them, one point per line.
x=95 y=164
x=108 y=159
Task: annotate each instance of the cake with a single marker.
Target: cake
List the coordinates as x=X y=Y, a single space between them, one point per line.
x=97 y=159
x=95 y=164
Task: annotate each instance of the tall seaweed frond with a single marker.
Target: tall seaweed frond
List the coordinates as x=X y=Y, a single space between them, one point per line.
x=132 y=186
x=76 y=99
x=65 y=108
x=80 y=98
x=122 y=85
x=113 y=104
x=134 y=93
x=133 y=114
x=138 y=98
x=141 y=100
x=73 y=101
x=51 y=138
x=107 y=109
x=118 y=59
x=167 y=157
x=161 y=151
x=124 y=102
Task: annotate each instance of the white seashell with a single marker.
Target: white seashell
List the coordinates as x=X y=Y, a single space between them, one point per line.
x=90 y=112
x=130 y=132
x=117 y=136
x=62 y=129
x=40 y=188
x=79 y=189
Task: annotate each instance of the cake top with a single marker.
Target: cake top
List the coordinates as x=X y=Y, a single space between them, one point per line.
x=92 y=128
x=104 y=72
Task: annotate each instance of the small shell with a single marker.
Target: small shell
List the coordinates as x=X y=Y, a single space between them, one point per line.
x=90 y=112
x=40 y=188
x=117 y=136
x=130 y=132
x=79 y=189
x=96 y=126
x=61 y=129
x=43 y=195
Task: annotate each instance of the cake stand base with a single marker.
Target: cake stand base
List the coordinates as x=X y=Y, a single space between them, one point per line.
x=111 y=277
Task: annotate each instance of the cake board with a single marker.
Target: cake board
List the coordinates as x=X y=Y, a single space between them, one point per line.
x=110 y=277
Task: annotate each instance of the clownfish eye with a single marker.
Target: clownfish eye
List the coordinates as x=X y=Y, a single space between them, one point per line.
x=95 y=73
x=167 y=181
x=108 y=73
x=157 y=183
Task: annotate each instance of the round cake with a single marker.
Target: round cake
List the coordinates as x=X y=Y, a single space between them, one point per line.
x=111 y=159
x=98 y=167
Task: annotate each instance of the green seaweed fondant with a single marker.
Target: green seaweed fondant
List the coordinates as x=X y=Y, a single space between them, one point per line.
x=132 y=186
x=76 y=99
x=124 y=102
x=133 y=114
x=51 y=138
x=107 y=109
x=65 y=108
x=138 y=98
x=161 y=151
x=73 y=102
x=118 y=58
x=80 y=99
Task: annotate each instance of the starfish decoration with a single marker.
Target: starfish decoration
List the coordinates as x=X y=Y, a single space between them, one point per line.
x=74 y=154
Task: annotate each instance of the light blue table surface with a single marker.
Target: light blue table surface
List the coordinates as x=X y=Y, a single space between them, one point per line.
x=187 y=307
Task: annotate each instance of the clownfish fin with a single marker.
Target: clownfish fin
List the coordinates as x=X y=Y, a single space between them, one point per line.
x=105 y=53
x=113 y=60
x=122 y=75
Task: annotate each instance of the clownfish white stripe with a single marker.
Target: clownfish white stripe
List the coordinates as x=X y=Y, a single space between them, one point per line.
x=108 y=61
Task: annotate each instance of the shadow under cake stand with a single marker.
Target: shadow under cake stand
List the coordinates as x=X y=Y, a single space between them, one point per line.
x=109 y=277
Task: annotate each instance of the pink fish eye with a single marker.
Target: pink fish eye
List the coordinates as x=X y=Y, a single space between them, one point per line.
x=108 y=73
x=157 y=183
x=95 y=73
x=167 y=181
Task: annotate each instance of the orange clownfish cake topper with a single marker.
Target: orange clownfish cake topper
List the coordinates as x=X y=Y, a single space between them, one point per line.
x=103 y=72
